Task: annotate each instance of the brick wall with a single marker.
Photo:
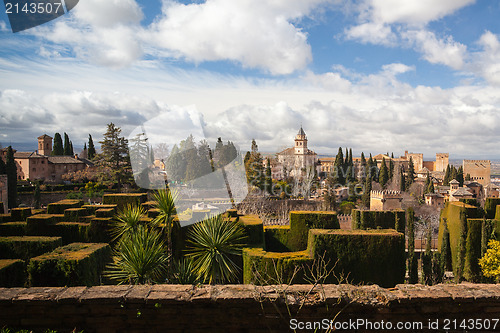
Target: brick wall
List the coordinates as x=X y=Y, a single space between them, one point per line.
x=238 y=308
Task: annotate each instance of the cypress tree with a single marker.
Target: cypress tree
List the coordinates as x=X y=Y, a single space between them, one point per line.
x=447 y=174
x=460 y=176
x=402 y=179
x=3 y=168
x=437 y=271
x=427 y=259
x=67 y=148
x=346 y=162
x=269 y=180
x=37 y=196
x=58 y=149
x=446 y=248
x=338 y=172
x=383 y=175
x=462 y=241
x=365 y=198
x=412 y=258
x=72 y=153
x=91 y=149
x=11 y=169
x=391 y=169
x=454 y=173
x=410 y=177
x=350 y=157
x=363 y=167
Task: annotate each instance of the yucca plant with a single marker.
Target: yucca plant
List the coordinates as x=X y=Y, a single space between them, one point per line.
x=164 y=201
x=127 y=221
x=183 y=272
x=139 y=258
x=212 y=244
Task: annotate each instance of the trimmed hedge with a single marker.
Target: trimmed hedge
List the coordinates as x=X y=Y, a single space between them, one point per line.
x=20 y=214
x=472 y=271
x=38 y=225
x=490 y=207
x=12 y=273
x=25 y=247
x=60 y=206
x=385 y=219
x=361 y=256
x=70 y=232
x=254 y=229
x=302 y=221
x=497 y=213
x=276 y=237
x=261 y=267
x=105 y=212
x=123 y=199
x=75 y=264
x=74 y=214
x=5 y=218
x=99 y=230
x=452 y=213
x=13 y=229
x=91 y=209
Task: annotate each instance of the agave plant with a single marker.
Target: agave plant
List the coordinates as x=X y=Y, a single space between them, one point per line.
x=183 y=272
x=139 y=258
x=127 y=221
x=165 y=203
x=212 y=244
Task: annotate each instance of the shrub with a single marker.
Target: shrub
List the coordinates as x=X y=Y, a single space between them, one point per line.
x=25 y=247
x=388 y=219
x=490 y=262
x=12 y=273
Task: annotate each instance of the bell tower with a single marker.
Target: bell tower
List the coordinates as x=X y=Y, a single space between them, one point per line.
x=300 y=142
x=44 y=145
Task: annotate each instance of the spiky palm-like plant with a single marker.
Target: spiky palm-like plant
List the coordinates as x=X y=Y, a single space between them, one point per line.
x=165 y=203
x=212 y=243
x=127 y=221
x=140 y=258
x=183 y=272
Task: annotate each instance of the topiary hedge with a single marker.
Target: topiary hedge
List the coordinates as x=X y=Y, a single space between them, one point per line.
x=99 y=230
x=261 y=267
x=385 y=219
x=25 y=247
x=472 y=271
x=20 y=214
x=70 y=232
x=74 y=214
x=276 y=237
x=361 y=256
x=490 y=207
x=124 y=199
x=302 y=221
x=13 y=229
x=60 y=206
x=254 y=229
x=12 y=273
x=77 y=264
x=38 y=225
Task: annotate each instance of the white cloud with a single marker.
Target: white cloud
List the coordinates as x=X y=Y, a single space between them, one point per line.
x=486 y=62
x=374 y=33
x=437 y=51
x=413 y=12
x=254 y=33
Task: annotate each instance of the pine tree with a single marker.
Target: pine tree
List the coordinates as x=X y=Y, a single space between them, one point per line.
x=91 y=149
x=383 y=175
x=67 y=147
x=11 y=169
x=58 y=149
x=115 y=156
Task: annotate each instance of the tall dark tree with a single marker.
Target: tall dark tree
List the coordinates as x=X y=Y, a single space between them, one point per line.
x=57 y=149
x=268 y=179
x=410 y=176
x=383 y=176
x=460 y=176
x=362 y=167
x=365 y=198
x=67 y=145
x=91 y=150
x=447 y=174
x=10 y=166
x=391 y=169
x=37 y=196
x=338 y=169
x=412 y=257
x=71 y=151
x=427 y=259
x=114 y=156
x=454 y=173
x=402 y=179
x=3 y=168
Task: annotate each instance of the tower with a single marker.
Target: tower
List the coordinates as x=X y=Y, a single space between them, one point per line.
x=300 y=142
x=44 y=145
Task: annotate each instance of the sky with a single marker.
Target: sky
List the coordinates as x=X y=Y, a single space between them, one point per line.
x=373 y=75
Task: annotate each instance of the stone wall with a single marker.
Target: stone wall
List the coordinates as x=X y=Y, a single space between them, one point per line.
x=248 y=308
x=479 y=170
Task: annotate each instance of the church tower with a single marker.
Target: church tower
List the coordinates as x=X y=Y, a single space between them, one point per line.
x=300 y=142
x=44 y=145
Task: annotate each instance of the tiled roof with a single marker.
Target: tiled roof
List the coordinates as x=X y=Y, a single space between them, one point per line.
x=454 y=181
x=44 y=136
x=27 y=154
x=64 y=160
x=461 y=192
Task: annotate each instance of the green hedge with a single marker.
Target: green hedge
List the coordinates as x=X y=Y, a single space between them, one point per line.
x=472 y=271
x=74 y=214
x=99 y=230
x=361 y=256
x=12 y=273
x=25 y=247
x=105 y=212
x=5 y=218
x=254 y=229
x=20 y=214
x=13 y=229
x=70 y=232
x=497 y=213
x=124 y=199
x=276 y=237
x=385 y=219
x=472 y=202
x=302 y=221
x=261 y=267
x=75 y=264
x=38 y=225
x=490 y=207
x=60 y=206
x=452 y=213
x=91 y=209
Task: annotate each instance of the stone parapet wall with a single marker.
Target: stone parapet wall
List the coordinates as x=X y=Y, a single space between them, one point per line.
x=242 y=308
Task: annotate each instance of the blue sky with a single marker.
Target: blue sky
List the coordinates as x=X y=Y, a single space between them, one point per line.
x=374 y=75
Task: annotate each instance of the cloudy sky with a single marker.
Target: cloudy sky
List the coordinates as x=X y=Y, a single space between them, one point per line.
x=374 y=75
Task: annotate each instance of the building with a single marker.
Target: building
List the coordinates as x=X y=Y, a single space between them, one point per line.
x=4 y=193
x=478 y=170
x=456 y=193
x=436 y=200
x=385 y=200
x=40 y=165
x=297 y=161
